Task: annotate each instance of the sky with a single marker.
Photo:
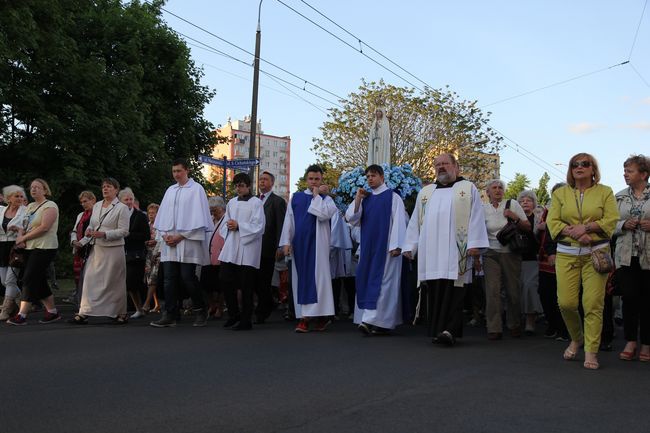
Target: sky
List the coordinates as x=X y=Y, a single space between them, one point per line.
x=484 y=51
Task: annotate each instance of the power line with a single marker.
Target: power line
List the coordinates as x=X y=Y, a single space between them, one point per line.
x=639 y=74
x=349 y=45
x=364 y=43
x=637 y=30
x=249 y=53
x=577 y=77
x=321 y=109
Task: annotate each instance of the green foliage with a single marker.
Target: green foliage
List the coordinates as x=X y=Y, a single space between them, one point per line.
x=90 y=89
x=543 y=197
x=421 y=125
x=517 y=185
x=330 y=176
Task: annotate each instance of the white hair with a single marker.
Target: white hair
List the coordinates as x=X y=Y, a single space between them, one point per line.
x=530 y=194
x=493 y=181
x=216 y=201
x=126 y=192
x=10 y=190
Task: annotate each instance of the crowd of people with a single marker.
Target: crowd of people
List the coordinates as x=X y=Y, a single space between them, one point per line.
x=510 y=262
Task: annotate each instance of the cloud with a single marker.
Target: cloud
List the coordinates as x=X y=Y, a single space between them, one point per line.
x=638 y=125
x=646 y=101
x=584 y=127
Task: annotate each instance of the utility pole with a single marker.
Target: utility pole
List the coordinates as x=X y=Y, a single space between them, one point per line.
x=254 y=149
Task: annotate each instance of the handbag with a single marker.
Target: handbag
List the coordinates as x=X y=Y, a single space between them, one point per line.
x=511 y=236
x=602 y=261
x=17 y=257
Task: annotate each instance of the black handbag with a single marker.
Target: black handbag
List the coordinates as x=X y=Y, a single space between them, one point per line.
x=17 y=257
x=511 y=236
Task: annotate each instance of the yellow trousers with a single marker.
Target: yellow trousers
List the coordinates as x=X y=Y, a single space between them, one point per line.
x=572 y=273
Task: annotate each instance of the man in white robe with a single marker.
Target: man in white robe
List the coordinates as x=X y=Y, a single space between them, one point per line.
x=381 y=216
x=182 y=221
x=342 y=265
x=306 y=235
x=241 y=252
x=447 y=231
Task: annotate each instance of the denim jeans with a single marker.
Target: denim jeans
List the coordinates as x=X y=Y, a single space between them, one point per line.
x=176 y=273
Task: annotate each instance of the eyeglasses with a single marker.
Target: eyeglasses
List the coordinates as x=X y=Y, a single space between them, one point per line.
x=585 y=164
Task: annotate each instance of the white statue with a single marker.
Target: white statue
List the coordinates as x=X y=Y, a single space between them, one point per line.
x=379 y=139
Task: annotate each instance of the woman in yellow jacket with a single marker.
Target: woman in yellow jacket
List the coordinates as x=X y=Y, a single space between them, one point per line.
x=582 y=218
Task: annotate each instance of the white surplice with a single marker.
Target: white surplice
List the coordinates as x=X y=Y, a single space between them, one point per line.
x=389 y=304
x=244 y=245
x=323 y=209
x=341 y=248
x=435 y=238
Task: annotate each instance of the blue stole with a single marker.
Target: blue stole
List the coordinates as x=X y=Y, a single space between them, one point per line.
x=304 y=248
x=375 y=226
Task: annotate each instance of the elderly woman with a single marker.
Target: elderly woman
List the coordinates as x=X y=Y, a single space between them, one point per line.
x=210 y=271
x=11 y=220
x=135 y=251
x=152 y=262
x=502 y=267
x=87 y=200
x=104 y=280
x=633 y=256
x=38 y=238
x=582 y=218
x=530 y=303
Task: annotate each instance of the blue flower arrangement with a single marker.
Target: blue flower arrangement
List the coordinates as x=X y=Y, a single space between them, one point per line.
x=399 y=178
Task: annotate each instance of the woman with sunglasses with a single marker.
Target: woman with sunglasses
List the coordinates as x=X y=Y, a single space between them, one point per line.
x=582 y=218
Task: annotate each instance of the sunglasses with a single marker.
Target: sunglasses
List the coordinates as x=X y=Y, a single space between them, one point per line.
x=585 y=164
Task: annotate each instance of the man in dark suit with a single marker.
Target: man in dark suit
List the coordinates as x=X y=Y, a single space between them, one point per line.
x=274 y=209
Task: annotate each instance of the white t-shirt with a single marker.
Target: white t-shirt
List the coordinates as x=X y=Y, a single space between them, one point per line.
x=494 y=221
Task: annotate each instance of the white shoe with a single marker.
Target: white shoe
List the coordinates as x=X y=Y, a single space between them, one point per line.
x=137 y=315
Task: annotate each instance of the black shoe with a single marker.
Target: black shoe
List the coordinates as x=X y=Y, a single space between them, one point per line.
x=242 y=326
x=446 y=338
x=201 y=319
x=378 y=330
x=550 y=333
x=231 y=322
x=166 y=321
x=606 y=346
x=364 y=328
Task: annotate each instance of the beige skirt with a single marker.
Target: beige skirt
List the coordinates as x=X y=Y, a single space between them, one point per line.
x=104 y=283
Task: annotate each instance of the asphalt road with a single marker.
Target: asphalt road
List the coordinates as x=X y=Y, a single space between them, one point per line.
x=135 y=378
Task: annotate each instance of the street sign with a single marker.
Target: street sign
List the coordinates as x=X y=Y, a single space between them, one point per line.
x=212 y=161
x=242 y=163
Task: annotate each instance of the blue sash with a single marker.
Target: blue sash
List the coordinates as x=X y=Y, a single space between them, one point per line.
x=304 y=248
x=375 y=226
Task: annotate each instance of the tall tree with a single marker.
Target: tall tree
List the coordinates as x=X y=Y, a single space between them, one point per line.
x=422 y=125
x=542 y=190
x=96 y=88
x=517 y=185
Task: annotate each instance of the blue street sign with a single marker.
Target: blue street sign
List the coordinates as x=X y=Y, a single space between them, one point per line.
x=241 y=163
x=212 y=161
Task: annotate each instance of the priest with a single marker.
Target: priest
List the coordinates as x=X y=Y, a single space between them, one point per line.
x=306 y=236
x=382 y=219
x=182 y=221
x=447 y=231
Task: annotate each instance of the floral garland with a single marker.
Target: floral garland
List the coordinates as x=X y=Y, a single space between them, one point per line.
x=399 y=178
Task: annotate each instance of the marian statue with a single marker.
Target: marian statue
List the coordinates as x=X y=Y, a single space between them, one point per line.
x=379 y=139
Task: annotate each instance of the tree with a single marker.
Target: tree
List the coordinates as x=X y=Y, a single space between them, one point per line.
x=422 y=125
x=542 y=190
x=517 y=185
x=331 y=176
x=99 y=88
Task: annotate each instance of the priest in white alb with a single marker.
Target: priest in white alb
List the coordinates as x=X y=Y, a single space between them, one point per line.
x=447 y=231
x=306 y=236
x=382 y=219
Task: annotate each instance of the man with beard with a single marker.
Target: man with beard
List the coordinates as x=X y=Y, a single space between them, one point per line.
x=448 y=230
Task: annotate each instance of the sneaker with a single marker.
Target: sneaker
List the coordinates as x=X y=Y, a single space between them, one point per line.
x=137 y=315
x=166 y=321
x=201 y=319
x=302 y=327
x=550 y=333
x=322 y=325
x=17 y=320
x=50 y=317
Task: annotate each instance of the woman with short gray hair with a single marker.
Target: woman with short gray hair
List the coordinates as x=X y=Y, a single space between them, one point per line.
x=502 y=267
x=530 y=303
x=11 y=221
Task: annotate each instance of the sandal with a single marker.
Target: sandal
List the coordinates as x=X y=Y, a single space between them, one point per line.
x=569 y=355
x=591 y=365
x=121 y=320
x=78 y=319
x=627 y=356
x=644 y=357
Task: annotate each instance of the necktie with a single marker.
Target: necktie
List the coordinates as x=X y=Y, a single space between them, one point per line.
x=261 y=196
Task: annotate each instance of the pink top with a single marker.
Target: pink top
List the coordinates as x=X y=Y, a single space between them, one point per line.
x=216 y=244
